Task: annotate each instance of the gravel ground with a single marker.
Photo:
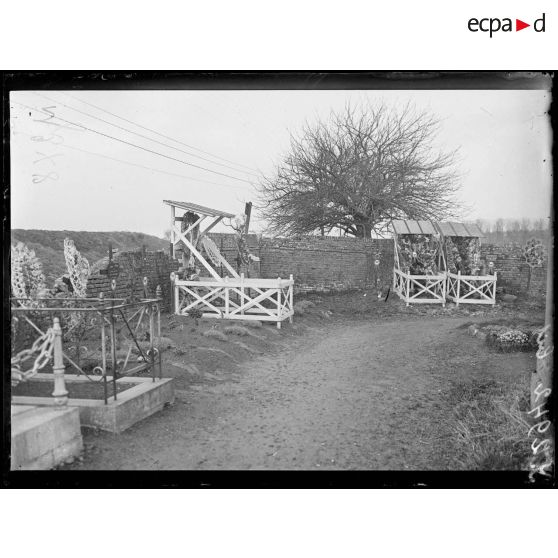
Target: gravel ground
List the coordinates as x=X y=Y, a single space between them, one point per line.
x=368 y=395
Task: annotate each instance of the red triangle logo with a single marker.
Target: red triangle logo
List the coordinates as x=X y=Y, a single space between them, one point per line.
x=519 y=25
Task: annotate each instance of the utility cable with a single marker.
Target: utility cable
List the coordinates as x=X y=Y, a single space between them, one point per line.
x=148 y=168
x=164 y=136
x=142 y=135
x=137 y=146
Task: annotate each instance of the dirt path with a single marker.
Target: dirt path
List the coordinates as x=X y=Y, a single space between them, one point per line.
x=343 y=396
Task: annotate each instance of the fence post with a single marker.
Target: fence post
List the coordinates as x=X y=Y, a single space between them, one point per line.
x=291 y=291
x=407 y=288
x=279 y=291
x=151 y=356
x=242 y=292
x=226 y=297
x=173 y=294
x=60 y=393
x=104 y=350
x=458 y=289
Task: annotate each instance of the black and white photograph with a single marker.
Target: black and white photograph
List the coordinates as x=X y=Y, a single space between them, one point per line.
x=280 y=273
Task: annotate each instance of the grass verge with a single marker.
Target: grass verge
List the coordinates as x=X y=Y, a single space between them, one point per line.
x=490 y=425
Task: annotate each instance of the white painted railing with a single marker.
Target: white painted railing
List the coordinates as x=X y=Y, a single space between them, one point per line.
x=236 y=298
x=471 y=289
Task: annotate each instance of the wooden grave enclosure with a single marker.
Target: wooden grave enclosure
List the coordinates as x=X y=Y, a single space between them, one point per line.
x=204 y=291
x=469 y=281
x=419 y=272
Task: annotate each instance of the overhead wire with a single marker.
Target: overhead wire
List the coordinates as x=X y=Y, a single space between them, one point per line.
x=137 y=146
x=148 y=168
x=142 y=135
x=74 y=148
x=165 y=136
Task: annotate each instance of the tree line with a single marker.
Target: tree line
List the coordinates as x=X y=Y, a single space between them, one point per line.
x=504 y=231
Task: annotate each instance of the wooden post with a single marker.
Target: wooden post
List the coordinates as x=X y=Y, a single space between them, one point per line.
x=113 y=352
x=407 y=288
x=104 y=352
x=60 y=393
x=242 y=292
x=172 y=237
x=279 y=303
x=151 y=355
x=226 y=297
x=291 y=289
x=458 y=289
x=247 y=211
x=173 y=293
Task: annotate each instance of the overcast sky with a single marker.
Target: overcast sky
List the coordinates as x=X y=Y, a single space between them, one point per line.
x=77 y=179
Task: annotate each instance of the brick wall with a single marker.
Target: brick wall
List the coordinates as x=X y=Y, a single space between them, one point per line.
x=227 y=246
x=328 y=263
x=129 y=269
x=513 y=271
x=317 y=264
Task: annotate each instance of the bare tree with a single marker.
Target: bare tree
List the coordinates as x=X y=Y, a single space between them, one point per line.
x=540 y=225
x=359 y=170
x=499 y=230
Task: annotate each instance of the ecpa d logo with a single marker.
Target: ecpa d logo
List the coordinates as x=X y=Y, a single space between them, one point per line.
x=492 y=25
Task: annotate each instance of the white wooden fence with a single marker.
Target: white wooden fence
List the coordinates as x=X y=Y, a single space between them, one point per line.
x=236 y=298
x=420 y=289
x=471 y=289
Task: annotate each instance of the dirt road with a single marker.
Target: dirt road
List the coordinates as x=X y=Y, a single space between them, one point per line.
x=368 y=395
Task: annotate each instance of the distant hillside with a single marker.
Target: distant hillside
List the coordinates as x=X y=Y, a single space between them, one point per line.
x=49 y=246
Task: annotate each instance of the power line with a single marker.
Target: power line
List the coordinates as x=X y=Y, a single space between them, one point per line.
x=146 y=167
x=138 y=146
x=159 y=133
x=143 y=136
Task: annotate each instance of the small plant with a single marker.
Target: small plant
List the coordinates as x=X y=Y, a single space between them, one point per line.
x=301 y=307
x=509 y=340
x=215 y=334
x=256 y=324
x=195 y=314
x=236 y=330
